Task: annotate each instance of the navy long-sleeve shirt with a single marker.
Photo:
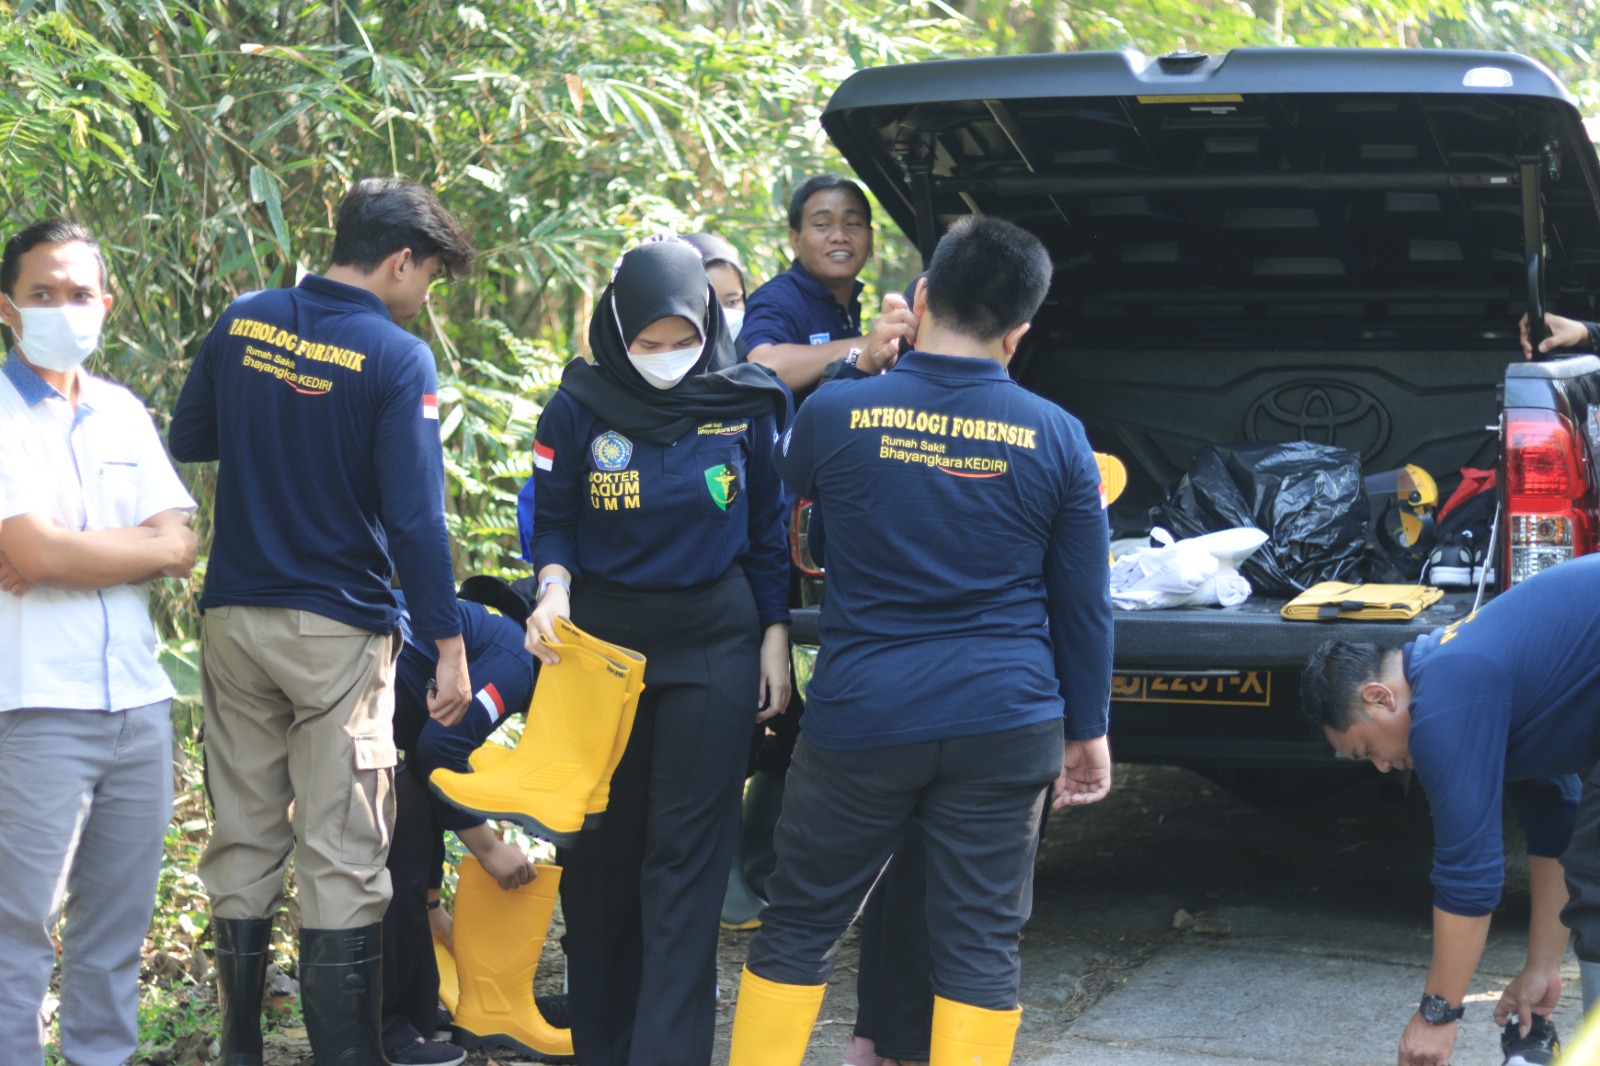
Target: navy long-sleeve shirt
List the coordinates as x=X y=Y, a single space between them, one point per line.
x=1507 y=695
x=660 y=516
x=503 y=675
x=796 y=308
x=324 y=418
x=968 y=588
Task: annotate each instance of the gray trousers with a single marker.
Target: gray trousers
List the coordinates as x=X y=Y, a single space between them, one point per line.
x=976 y=801
x=85 y=799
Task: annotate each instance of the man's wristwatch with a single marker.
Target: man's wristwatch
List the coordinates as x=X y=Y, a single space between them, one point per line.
x=1436 y=1010
x=852 y=357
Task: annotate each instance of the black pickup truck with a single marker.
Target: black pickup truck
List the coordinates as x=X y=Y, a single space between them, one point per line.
x=1332 y=245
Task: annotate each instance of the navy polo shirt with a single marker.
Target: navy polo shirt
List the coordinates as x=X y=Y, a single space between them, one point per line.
x=796 y=308
x=968 y=587
x=324 y=417
x=1505 y=695
x=503 y=675
x=659 y=516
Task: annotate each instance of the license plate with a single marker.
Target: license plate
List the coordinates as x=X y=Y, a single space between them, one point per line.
x=1252 y=688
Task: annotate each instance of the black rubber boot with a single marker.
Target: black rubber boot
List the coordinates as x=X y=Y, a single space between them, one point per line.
x=242 y=955
x=763 y=801
x=741 y=907
x=341 y=994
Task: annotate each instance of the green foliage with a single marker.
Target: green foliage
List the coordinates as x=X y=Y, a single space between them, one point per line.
x=209 y=141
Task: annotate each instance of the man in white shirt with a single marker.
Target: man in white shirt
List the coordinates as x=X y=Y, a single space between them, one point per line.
x=90 y=511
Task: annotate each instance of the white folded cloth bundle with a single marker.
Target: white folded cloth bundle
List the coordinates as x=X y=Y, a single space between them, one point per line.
x=1197 y=571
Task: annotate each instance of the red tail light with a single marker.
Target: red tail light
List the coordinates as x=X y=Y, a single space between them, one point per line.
x=800 y=540
x=1541 y=456
x=1546 y=490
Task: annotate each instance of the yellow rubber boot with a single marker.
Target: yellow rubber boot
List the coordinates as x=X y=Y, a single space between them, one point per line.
x=546 y=783
x=449 y=980
x=772 y=1022
x=634 y=663
x=499 y=935
x=486 y=756
x=971 y=1036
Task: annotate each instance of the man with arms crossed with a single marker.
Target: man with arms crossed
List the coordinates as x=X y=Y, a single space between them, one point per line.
x=90 y=510
x=1502 y=698
x=323 y=414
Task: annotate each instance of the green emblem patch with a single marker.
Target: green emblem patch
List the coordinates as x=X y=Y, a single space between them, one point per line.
x=723 y=484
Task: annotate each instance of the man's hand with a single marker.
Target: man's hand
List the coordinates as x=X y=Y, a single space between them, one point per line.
x=507 y=865
x=1427 y=1045
x=1536 y=990
x=503 y=862
x=882 y=347
x=443 y=928
x=1564 y=333
x=185 y=544
x=772 y=698
x=1085 y=773
x=11 y=580
x=448 y=702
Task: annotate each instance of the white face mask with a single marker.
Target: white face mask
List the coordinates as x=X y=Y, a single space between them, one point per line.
x=734 y=317
x=666 y=369
x=59 y=338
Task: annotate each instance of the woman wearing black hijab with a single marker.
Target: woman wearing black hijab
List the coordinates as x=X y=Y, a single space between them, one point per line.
x=658 y=525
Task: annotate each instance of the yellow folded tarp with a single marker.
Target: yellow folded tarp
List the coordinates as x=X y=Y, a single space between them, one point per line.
x=1329 y=600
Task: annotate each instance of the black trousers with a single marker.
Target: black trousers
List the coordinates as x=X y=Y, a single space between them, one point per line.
x=1581 y=864
x=894 y=1001
x=977 y=802
x=410 y=972
x=894 y=993
x=642 y=893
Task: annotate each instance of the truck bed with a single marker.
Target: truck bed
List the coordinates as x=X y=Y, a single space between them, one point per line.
x=1252 y=634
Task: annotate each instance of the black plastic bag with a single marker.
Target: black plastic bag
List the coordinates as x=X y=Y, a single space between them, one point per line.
x=1308 y=498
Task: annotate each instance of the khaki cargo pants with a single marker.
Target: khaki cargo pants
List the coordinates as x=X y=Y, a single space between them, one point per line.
x=299 y=749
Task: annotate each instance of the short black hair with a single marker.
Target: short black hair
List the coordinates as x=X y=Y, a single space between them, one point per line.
x=381 y=216
x=1331 y=683
x=987 y=276
x=822 y=183
x=45 y=231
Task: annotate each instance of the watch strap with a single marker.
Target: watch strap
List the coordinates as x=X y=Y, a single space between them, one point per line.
x=1436 y=1010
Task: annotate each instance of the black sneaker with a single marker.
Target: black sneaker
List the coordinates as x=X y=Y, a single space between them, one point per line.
x=1452 y=563
x=1539 y=1048
x=404 y=1046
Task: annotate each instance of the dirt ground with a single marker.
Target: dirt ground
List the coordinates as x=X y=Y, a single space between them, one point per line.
x=1111 y=880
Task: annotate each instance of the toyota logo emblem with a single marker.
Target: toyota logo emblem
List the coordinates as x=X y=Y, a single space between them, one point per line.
x=1322 y=413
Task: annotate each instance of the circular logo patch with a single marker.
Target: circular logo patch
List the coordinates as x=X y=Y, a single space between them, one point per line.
x=612 y=451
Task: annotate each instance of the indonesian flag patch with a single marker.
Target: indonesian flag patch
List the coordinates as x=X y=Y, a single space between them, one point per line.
x=544 y=456
x=493 y=705
x=430 y=406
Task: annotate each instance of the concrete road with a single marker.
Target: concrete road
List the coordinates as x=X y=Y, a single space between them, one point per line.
x=1308 y=945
